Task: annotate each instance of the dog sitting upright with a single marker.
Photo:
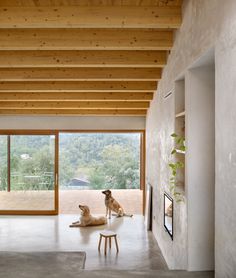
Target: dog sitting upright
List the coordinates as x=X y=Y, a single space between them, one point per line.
x=112 y=205
x=87 y=219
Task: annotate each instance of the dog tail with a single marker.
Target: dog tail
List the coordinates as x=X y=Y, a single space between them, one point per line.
x=122 y=213
x=129 y=215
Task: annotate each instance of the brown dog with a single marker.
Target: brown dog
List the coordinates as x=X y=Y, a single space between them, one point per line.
x=87 y=219
x=112 y=205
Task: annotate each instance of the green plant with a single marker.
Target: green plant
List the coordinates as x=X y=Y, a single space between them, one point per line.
x=179 y=143
x=176 y=165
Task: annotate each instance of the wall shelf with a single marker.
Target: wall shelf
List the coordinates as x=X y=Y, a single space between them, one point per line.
x=181 y=114
x=180 y=130
x=180 y=152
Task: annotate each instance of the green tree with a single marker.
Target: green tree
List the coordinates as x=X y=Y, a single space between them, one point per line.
x=119 y=169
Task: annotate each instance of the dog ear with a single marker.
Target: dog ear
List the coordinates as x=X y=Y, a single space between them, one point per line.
x=86 y=209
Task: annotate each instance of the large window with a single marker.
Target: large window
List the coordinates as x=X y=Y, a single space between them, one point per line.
x=99 y=160
x=29 y=162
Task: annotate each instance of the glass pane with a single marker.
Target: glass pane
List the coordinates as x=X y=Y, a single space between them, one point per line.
x=3 y=163
x=100 y=160
x=90 y=162
x=32 y=162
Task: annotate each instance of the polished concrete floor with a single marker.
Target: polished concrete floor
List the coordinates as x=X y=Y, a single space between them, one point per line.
x=138 y=248
x=139 y=254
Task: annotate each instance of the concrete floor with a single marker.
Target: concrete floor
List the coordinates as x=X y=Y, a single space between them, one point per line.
x=138 y=249
x=139 y=254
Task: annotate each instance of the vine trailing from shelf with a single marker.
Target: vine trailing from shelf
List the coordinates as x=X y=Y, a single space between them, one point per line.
x=176 y=165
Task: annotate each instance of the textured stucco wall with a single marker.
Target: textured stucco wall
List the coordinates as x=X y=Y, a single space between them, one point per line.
x=206 y=24
x=76 y=123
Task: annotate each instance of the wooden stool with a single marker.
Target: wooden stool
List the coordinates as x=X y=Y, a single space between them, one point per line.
x=107 y=235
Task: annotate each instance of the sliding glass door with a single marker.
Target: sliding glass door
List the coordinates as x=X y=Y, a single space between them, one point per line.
x=28 y=180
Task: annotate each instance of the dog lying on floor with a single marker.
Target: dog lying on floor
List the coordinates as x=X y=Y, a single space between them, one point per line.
x=86 y=219
x=112 y=205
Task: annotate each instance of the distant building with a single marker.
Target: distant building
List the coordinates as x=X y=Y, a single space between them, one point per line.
x=25 y=156
x=77 y=183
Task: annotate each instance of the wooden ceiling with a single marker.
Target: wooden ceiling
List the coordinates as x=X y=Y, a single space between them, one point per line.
x=72 y=57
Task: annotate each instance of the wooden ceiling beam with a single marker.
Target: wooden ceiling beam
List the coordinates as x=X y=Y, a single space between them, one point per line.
x=98 y=112
x=80 y=74
x=90 y=17
x=85 y=39
x=75 y=58
x=71 y=96
x=90 y=3
x=74 y=105
x=78 y=86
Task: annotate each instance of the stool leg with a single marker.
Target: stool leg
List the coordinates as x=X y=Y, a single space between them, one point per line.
x=110 y=242
x=105 y=249
x=99 y=244
x=117 y=248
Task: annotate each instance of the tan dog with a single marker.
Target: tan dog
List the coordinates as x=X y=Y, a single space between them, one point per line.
x=112 y=205
x=87 y=219
x=169 y=211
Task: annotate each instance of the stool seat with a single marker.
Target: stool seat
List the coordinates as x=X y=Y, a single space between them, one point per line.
x=106 y=234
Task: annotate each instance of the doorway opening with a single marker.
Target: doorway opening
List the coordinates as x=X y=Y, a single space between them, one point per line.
x=200 y=162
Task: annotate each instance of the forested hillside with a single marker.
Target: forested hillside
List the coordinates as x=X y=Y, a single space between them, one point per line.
x=105 y=160
x=101 y=160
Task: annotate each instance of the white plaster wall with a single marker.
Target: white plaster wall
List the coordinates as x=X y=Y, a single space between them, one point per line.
x=70 y=123
x=206 y=24
x=160 y=125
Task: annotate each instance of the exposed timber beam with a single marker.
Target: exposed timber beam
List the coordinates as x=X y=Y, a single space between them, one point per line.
x=98 y=112
x=78 y=86
x=72 y=96
x=41 y=3
x=85 y=39
x=74 y=105
x=90 y=17
x=75 y=58
x=82 y=74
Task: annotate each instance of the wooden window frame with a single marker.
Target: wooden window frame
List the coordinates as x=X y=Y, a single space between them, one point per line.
x=56 y=132
x=9 y=133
